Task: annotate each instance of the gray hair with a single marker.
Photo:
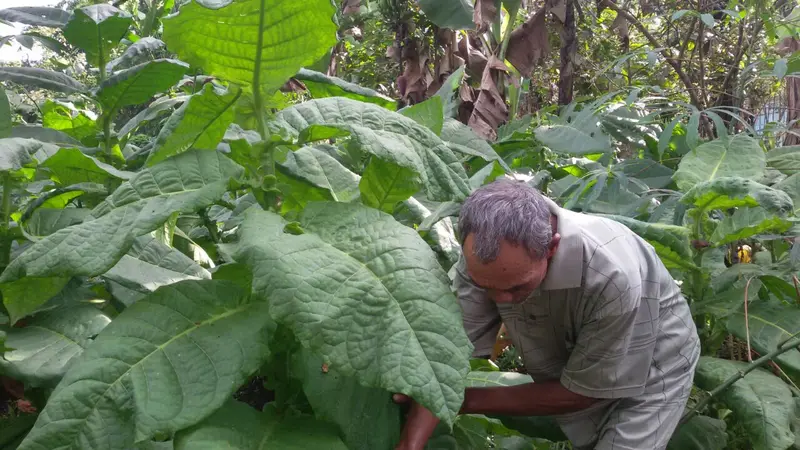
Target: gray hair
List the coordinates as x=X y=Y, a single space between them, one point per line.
x=506 y=210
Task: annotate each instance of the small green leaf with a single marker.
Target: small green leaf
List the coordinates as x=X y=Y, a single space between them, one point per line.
x=162 y=365
x=238 y=426
x=708 y=20
x=139 y=83
x=779 y=68
x=760 y=401
x=429 y=113
x=248 y=42
x=199 y=123
x=738 y=156
x=747 y=222
x=97 y=30
x=42 y=78
x=5 y=115
x=678 y=14
x=384 y=185
x=48 y=342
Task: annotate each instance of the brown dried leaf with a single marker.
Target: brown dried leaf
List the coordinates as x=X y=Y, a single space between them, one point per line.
x=490 y=110
x=528 y=44
x=559 y=9
x=476 y=60
x=621 y=25
x=484 y=15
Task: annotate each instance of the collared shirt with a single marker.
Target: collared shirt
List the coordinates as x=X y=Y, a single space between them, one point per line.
x=608 y=321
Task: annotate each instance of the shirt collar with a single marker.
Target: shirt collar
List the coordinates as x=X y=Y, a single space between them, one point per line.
x=565 y=270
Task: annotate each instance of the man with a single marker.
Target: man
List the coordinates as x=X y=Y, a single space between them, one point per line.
x=601 y=325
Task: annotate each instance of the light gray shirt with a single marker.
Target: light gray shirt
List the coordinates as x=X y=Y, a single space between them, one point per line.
x=608 y=321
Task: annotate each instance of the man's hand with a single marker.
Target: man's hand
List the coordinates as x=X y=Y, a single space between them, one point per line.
x=419 y=426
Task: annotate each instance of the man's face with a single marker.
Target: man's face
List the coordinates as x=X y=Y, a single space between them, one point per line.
x=512 y=276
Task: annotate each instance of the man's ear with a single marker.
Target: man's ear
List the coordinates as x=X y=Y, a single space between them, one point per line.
x=553 y=245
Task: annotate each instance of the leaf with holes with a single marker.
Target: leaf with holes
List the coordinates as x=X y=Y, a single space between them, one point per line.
x=374 y=302
x=162 y=365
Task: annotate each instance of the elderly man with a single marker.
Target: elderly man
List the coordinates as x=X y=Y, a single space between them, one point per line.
x=601 y=325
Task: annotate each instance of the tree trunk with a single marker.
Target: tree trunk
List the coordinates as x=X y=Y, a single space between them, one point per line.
x=569 y=48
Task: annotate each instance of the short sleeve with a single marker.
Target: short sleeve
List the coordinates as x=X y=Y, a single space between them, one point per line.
x=479 y=313
x=614 y=348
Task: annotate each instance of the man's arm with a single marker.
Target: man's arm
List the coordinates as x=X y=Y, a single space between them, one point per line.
x=530 y=399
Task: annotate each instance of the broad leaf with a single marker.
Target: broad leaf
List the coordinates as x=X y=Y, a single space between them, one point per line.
x=760 y=401
x=389 y=136
x=785 y=159
x=791 y=185
x=97 y=29
x=322 y=170
x=429 y=113
x=671 y=242
x=143 y=49
x=461 y=139
x=42 y=78
x=655 y=175
x=152 y=112
x=736 y=156
x=139 y=83
x=248 y=42
x=732 y=192
x=199 y=123
x=321 y=86
x=700 y=433
x=71 y=166
x=384 y=185
x=238 y=426
x=16 y=153
x=358 y=261
x=747 y=222
x=46 y=221
x=37 y=16
x=184 y=184
x=162 y=365
x=48 y=341
x=5 y=115
x=575 y=133
x=68 y=119
x=453 y=14
x=367 y=417
x=44 y=135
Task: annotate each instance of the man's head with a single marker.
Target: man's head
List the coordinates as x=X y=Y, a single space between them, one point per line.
x=507 y=239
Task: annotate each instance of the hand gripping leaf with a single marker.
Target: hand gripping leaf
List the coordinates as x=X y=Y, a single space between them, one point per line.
x=366 y=293
x=184 y=183
x=164 y=364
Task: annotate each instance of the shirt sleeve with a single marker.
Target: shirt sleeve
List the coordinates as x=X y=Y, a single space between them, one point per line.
x=614 y=347
x=479 y=313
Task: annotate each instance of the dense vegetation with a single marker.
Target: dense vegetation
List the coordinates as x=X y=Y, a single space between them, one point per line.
x=233 y=220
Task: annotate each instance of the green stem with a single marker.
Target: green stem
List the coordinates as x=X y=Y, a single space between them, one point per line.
x=782 y=348
x=210 y=226
x=8 y=186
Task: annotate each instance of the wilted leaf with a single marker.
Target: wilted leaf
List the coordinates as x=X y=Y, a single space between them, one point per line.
x=248 y=42
x=153 y=111
x=97 y=29
x=162 y=365
x=47 y=343
x=736 y=156
x=354 y=261
x=241 y=427
x=484 y=14
x=528 y=44
x=760 y=401
x=490 y=110
x=199 y=123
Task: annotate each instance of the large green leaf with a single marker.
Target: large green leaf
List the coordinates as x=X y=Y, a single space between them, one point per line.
x=248 y=42
x=5 y=115
x=791 y=185
x=453 y=14
x=735 y=156
x=238 y=426
x=16 y=153
x=785 y=159
x=367 y=417
x=44 y=135
x=97 y=29
x=389 y=136
x=461 y=139
x=68 y=119
x=747 y=222
x=429 y=113
x=71 y=166
x=760 y=401
x=321 y=86
x=42 y=78
x=700 y=433
x=46 y=344
x=46 y=221
x=185 y=183
x=670 y=241
x=373 y=300
x=199 y=123
x=37 y=16
x=162 y=365
x=322 y=170
x=384 y=185
x=575 y=132
x=733 y=192
x=139 y=83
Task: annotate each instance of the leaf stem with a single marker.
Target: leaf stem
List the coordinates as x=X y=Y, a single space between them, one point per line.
x=8 y=186
x=210 y=226
x=782 y=348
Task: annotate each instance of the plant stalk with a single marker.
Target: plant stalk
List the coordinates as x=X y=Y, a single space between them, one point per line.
x=5 y=251
x=782 y=348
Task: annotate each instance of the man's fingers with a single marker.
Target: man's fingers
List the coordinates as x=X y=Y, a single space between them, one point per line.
x=401 y=398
